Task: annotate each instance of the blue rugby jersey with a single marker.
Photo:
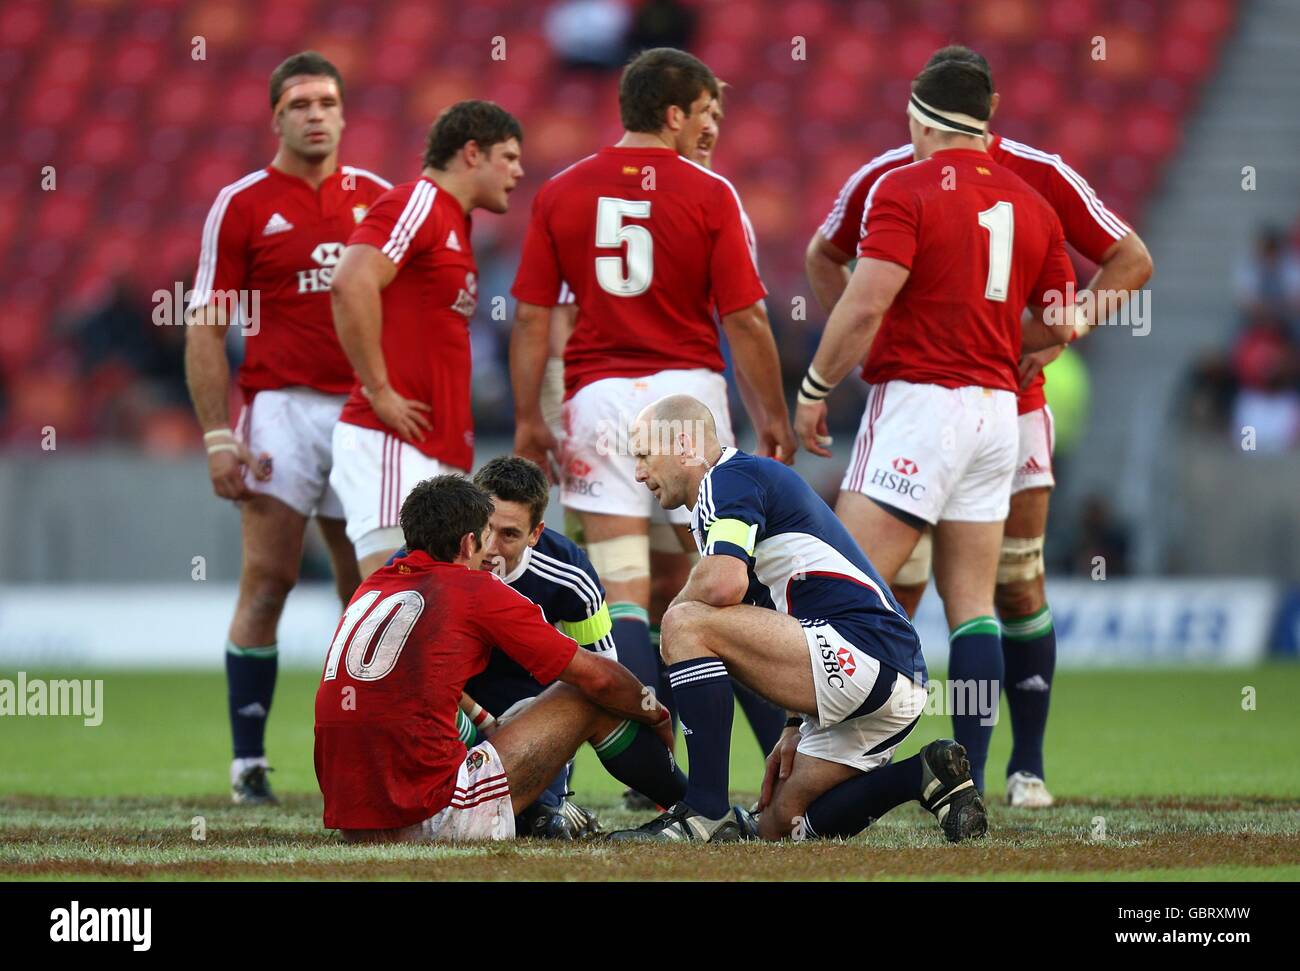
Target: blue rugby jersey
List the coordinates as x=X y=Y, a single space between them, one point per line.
x=801 y=560
x=557 y=576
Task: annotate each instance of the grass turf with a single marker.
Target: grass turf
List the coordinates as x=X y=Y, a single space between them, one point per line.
x=1190 y=784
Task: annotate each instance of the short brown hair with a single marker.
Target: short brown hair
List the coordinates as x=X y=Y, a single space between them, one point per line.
x=657 y=79
x=954 y=85
x=305 y=62
x=513 y=478
x=439 y=512
x=469 y=121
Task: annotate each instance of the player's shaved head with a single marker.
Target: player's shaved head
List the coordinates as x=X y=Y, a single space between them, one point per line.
x=674 y=441
x=685 y=412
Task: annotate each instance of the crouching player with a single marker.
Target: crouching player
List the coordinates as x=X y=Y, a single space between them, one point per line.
x=389 y=760
x=785 y=601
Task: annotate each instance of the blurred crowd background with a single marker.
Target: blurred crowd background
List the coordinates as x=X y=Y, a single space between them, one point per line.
x=141 y=111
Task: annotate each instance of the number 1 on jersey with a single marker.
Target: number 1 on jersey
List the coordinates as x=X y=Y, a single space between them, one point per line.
x=1000 y=220
x=610 y=234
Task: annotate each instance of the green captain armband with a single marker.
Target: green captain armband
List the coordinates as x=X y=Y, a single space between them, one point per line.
x=732 y=531
x=589 y=631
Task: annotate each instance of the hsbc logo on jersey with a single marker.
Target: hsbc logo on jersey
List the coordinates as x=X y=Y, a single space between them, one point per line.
x=905 y=466
x=467 y=298
x=319 y=277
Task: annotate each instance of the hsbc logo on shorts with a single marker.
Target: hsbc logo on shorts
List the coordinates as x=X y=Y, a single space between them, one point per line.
x=575 y=479
x=831 y=665
x=847 y=664
x=898 y=480
x=326 y=256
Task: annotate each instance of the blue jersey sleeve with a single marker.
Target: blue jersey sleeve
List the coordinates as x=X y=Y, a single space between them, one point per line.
x=734 y=515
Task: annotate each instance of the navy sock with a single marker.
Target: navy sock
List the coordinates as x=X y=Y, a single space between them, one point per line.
x=631 y=633
x=554 y=794
x=855 y=804
x=665 y=687
x=250 y=683
x=1029 y=653
x=702 y=691
x=765 y=718
x=974 y=687
x=634 y=755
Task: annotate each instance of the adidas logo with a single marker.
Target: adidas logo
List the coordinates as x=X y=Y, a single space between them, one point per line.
x=1031 y=467
x=452 y=241
x=255 y=710
x=276 y=224
x=1036 y=683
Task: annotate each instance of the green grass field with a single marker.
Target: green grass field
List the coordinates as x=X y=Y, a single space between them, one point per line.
x=1186 y=782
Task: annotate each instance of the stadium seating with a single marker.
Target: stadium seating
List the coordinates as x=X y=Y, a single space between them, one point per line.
x=142 y=134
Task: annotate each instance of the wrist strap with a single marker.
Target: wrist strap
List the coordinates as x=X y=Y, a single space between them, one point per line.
x=223 y=447
x=218 y=433
x=814 y=387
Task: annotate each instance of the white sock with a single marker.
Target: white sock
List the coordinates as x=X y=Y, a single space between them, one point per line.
x=237 y=766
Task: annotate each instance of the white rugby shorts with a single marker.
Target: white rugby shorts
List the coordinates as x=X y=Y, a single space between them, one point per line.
x=480 y=807
x=294 y=426
x=1037 y=442
x=599 y=472
x=373 y=474
x=843 y=678
x=935 y=452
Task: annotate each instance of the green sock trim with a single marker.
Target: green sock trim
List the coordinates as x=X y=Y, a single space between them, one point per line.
x=1028 y=628
x=617 y=741
x=976 y=625
x=654 y=636
x=269 y=651
x=624 y=610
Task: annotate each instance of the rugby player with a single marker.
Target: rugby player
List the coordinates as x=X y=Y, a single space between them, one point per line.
x=650 y=242
x=1124 y=265
x=784 y=601
x=670 y=562
x=389 y=759
x=403 y=295
x=277 y=234
x=954 y=247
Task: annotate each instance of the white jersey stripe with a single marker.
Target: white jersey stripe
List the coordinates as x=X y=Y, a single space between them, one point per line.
x=866 y=206
x=377 y=179
x=1108 y=221
x=835 y=218
x=573 y=578
x=208 y=249
x=745 y=225
x=410 y=221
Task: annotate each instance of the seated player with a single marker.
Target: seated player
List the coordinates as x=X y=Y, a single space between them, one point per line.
x=551 y=571
x=389 y=759
x=784 y=601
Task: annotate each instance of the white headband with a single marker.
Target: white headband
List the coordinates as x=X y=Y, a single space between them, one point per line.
x=953 y=121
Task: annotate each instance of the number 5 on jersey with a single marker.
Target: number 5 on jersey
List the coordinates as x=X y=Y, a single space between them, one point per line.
x=630 y=274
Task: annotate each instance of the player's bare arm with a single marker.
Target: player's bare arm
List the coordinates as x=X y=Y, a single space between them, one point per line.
x=827 y=267
x=1126 y=267
x=529 y=348
x=719 y=581
x=616 y=689
x=362 y=273
x=754 y=351
x=845 y=342
x=207 y=373
x=779 y=762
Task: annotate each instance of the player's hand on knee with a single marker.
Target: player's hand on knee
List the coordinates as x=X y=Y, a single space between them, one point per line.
x=811 y=428
x=779 y=763
x=535 y=442
x=403 y=415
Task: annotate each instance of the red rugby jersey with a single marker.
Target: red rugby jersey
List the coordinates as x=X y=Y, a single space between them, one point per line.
x=647 y=241
x=427 y=309
x=274 y=234
x=387 y=749
x=980 y=243
x=1089 y=226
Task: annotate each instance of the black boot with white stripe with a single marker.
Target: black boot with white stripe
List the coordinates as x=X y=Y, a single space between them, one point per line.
x=948 y=791
x=681 y=824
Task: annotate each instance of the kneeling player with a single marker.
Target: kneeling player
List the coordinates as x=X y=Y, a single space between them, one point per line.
x=389 y=759
x=784 y=601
